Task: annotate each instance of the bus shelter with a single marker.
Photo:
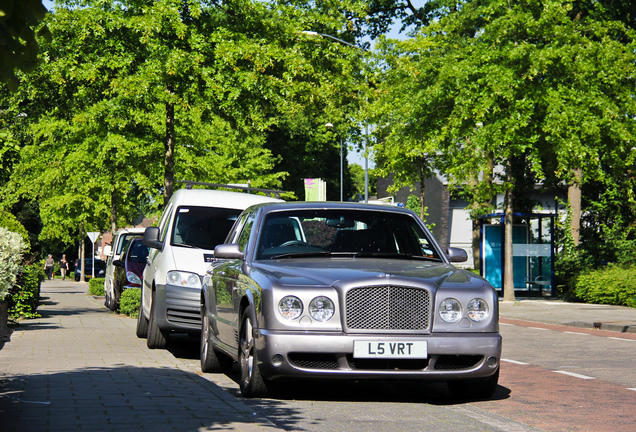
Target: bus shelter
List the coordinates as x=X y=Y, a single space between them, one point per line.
x=533 y=252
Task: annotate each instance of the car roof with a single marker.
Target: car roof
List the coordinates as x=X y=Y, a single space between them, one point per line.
x=326 y=205
x=134 y=230
x=218 y=198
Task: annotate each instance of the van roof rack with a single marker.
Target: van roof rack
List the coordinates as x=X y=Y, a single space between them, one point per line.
x=189 y=184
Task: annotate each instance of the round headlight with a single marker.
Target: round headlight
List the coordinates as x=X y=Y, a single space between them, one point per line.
x=477 y=310
x=290 y=307
x=321 y=309
x=450 y=310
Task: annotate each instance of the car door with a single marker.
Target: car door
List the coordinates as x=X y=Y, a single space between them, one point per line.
x=227 y=274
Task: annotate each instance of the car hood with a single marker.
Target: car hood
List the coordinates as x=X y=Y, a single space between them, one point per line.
x=192 y=259
x=365 y=271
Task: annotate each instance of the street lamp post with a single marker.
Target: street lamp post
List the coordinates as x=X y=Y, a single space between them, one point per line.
x=366 y=138
x=330 y=126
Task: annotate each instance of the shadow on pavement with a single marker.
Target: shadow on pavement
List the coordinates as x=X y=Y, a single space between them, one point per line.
x=433 y=393
x=121 y=398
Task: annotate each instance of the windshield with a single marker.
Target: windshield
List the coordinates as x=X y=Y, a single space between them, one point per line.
x=137 y=252
x=359 y=233
x=202 y=227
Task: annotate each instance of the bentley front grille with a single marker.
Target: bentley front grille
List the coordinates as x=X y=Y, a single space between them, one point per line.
x=388 y=308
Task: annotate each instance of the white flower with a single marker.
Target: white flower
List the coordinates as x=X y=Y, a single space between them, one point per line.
x=12 y=247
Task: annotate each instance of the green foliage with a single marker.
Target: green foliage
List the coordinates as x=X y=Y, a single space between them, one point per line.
x=11 y=223
x=25 y=294
x=615 y=285
x=129 y=302
x=12 y=246
x=96 y=286
x=18 y=20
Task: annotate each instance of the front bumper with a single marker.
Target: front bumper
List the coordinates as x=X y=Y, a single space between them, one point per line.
x=178 y=308
x=328 y=355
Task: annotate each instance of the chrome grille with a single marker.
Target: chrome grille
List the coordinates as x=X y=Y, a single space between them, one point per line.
x=388 y=308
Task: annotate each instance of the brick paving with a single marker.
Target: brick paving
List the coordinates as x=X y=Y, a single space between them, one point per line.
x=81 y=367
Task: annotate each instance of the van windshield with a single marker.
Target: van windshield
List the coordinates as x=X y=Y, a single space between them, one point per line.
x=202 y=227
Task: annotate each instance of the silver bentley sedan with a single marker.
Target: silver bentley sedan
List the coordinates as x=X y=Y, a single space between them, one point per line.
x=346 y=291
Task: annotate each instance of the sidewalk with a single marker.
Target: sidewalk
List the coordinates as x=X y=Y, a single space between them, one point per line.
x=81 y=367
x=603 y=317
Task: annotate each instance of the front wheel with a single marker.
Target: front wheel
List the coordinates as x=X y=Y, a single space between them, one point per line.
x=157 y=338
x=252 y=384
x=142 y=321
x=475 y=388
x=209 y=360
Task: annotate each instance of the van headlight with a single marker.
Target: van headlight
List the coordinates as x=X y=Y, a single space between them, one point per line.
x=183 y=279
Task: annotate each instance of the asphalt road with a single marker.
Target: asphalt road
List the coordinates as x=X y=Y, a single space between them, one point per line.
x=553 y=378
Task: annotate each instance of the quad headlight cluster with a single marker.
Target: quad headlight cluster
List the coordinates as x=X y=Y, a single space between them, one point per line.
x=451 y=311
x=321 y=308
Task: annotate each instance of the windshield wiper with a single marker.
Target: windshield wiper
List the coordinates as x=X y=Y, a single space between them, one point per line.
x=393 y=255
x=301 y=254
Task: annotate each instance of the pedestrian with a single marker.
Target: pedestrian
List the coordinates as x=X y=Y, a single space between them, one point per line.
x=63 y=266
x=49 y=265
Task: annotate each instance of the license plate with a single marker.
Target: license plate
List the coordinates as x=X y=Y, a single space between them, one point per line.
x=390 y=349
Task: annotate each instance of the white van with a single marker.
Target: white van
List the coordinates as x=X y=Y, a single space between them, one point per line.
x=122 y=237
x=181 y=248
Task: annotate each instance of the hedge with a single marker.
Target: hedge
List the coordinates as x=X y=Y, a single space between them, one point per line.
x=613 y=285
x=129 y=302
x=96 y=286
x=24 y=296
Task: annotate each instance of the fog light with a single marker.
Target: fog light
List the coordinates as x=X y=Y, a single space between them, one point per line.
x=492 y=362
x=277 y=360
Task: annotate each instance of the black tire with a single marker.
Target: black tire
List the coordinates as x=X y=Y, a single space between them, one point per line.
x=210 y=362
x=107 y=299
x=142 y=322
x=251 y=381
x=474 y=389
x=157 y=338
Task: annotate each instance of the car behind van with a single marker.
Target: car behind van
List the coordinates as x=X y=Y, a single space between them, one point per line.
x=181 y=248
x=122 y=237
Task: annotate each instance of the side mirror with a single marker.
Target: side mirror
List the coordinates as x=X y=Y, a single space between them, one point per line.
x=151 y=238
x=456 y=254
x=228 y=251
x=118 y=263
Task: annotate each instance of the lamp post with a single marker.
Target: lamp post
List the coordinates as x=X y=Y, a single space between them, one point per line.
x=330 y=126
x=366 y=135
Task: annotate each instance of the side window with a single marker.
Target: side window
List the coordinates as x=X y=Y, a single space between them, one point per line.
x=163 y=223
x=244 y=236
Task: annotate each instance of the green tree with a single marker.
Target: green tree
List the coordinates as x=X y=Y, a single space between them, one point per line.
x=509 y=84
x=19 y=46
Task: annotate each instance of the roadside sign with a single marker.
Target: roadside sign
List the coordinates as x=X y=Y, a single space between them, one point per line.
x=93 y=236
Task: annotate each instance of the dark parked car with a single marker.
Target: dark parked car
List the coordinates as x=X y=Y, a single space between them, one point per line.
x=100 y=269
x=346 y=291
x=129 y=269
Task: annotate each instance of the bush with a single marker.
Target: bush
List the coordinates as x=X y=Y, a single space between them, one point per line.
x=614 y=285
x=12 y=246
x=129 y=302
x=96 y=287
x=25 y=295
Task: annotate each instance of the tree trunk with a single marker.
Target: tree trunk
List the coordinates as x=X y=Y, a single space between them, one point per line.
x=574 y=199
x=5 y=332
x=82 y=253
x=113 y=211
x=508 y=279
x=168 y=182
